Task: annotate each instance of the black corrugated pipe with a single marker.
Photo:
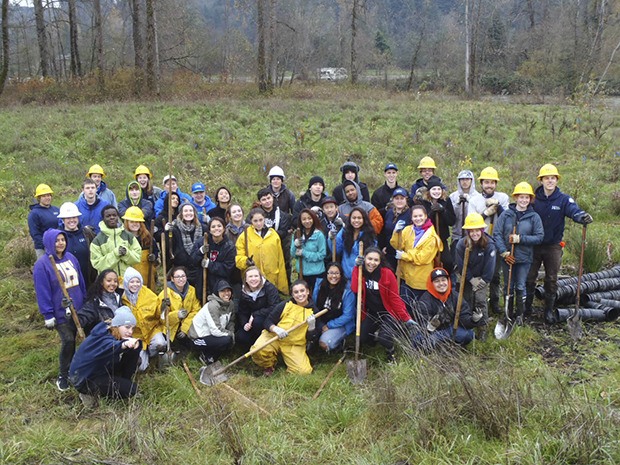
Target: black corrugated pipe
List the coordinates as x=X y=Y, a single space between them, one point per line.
x=566 y=295
x=612 y=313
x=610 y=303
x=598 y=296
x=605 y=274
x=591 y=314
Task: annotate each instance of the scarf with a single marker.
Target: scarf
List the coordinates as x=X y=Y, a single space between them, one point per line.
x=236 y=230
x=110 y=299
x=131 y=297
x=419 y=231
x=188 y=233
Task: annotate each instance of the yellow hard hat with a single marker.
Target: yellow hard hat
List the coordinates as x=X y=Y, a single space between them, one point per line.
x=523 y=188
x=474 y=221
x=134 y=214
x=142 y=170
x=427 y=162
x=548 y=170
x=95 y=169
x=489 y=173
x=43 y=189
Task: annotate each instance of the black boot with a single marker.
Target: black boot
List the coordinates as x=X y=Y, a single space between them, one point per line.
x=520 y=305
x=551 y=315
x=529 y=300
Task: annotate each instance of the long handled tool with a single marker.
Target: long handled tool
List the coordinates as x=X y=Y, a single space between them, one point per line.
x=299 y=258
x=504 y=327
x=398 y=270
x=328 y=377
x=170 y=206
x=574 y=320
x=334 y=249
x=459 y=302
x=357 y=369
x=169 y=356
x=213 y=374
x=63 y=288
x=205 y=242
x=150 y=284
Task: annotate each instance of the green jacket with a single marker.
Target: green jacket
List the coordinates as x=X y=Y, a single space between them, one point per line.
x=104 y=251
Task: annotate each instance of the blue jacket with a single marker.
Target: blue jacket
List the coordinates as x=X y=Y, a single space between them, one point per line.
x=159 y=204
x=553 y=210
x=481 y=261
x=96 y=356
x=46 y=286
x=201 y=211
x=529 y=228
x=345 y=312
x=79 y=246
x=91 y=214
x=40 y=219
x=348 y=257
x=314 y=252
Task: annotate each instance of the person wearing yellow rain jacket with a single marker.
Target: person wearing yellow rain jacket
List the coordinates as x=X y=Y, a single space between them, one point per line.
x=416 y=247
x=182 y=304
x=292 y=346
x=133 y=221
x=263 y=250
x=143 y=304
x=113 y=248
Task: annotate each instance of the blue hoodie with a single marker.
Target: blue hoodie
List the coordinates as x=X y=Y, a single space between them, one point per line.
x=159 y=205
x=91 y=214
x=46 y=286
x=40 y=219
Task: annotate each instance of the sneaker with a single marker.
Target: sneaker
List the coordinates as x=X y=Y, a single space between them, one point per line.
x=62 y=384
x=206 y=360
x=88 y=401
x=268 y=371
x=391 y=358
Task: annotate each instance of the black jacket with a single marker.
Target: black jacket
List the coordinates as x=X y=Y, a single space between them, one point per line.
x=268 y=297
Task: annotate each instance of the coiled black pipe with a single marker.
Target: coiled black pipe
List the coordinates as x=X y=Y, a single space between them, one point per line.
x=610 y=303
x=591 y=314
x=566 y=295
x=605 y=274
x=598 y=296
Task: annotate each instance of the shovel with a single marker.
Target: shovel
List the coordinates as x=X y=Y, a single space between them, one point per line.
x=169 y=357
x=214 y=374
x=356 y=369
x=574 y=320
x=504 y=327
x=459 y=302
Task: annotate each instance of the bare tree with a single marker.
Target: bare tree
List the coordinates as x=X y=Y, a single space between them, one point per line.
x=138 y=44
x=5 y=44
x=76 y=64
x=98 y=43
x=354 y=13
x=41 y=37
x=152 y=49
x=263 y=79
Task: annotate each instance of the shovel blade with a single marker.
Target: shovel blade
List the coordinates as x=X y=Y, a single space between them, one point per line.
x=574 y=326
x=210 y=374
x=503 y=329
x=168 y=359
x=357 y=371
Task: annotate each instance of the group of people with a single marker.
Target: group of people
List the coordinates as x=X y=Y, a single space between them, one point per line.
x=228 y=276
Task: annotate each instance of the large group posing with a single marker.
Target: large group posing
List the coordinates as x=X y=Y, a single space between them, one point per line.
x=228 y=277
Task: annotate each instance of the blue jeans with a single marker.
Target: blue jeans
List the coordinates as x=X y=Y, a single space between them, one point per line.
x=519 y=276
x=332 y=338
x=426 y=341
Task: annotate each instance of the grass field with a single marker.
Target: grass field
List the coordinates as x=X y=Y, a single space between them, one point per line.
x=536 y=398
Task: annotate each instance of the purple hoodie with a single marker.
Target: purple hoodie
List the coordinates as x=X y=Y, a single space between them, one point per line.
x=46 y=286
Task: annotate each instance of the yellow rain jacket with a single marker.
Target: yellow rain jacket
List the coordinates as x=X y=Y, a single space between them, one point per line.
x=189 y=303
x=148 y=316
x=417 y=262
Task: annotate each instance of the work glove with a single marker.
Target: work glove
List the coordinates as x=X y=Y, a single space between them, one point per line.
x=433 y=324
x=182 y=314
x=280 y=332
x=50 y=323
x=316 y=209
x=338 y=222
x=204 y=249
x=332 y=234
x=490 y=210
x=298 y=243
x=168 y=226
x=122 y=250
x=89 y=233
x=514 y=238
x=299 y=252
x=250 y=262
x=510 y=259
x=477 y=283
x=491 y=201
x=419 y=194
x=152 y=258
x=359 y=260
x=68 y=312
x=66 y=302
x=181 y=335
x=436 y=207
x=476 y=316
x=463 y=198
x=411 y=325
x=585 y=218
x=311 y=320
x=399 y=226
x=165 y=303
x=399 y=254
x=205 y=263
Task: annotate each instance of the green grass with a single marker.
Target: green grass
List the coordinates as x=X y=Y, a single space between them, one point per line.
x=536 y=398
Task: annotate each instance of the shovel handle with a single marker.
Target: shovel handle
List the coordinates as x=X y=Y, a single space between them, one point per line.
x=262 y=346
x=459 y=302
x=63 y=288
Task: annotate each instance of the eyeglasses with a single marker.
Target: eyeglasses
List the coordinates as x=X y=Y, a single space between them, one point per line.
x=180 y=276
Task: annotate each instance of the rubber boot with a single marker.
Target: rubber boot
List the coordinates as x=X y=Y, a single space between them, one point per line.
x=520 y=307
x=529 y=300
x=551 y=315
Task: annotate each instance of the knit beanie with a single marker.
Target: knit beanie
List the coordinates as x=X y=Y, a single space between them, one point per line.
x=123 y=316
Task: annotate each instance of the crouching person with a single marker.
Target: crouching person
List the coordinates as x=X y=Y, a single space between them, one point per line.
x=106 y=361
x=213 y=328
x=436 y=311
x=292 y=346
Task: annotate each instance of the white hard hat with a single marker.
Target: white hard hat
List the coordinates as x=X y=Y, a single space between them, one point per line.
x=276 y=171
x=69 y=210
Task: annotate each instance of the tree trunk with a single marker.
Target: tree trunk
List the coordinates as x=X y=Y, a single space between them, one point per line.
x=414 y=59
x=76 y=64
x=152 y=49
x=5 y=44
x=41 y=37
x=138 y=45
x=98 y=26
x=262 y=64
x=354 y=74
x=272 y=63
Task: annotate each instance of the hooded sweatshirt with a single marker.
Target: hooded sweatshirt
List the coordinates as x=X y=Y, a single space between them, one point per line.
x=214 y=319
x=46 y=285
x=105 y=247
x=433 y=303
x=91 y=214
x=475 y=203
x=40 y=219
x=144 y=205
x=339 y=189
x=373 y=214
x=104 y=194
x=144 y=307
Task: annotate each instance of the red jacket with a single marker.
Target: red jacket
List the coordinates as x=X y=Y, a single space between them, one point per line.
x=388 y=289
